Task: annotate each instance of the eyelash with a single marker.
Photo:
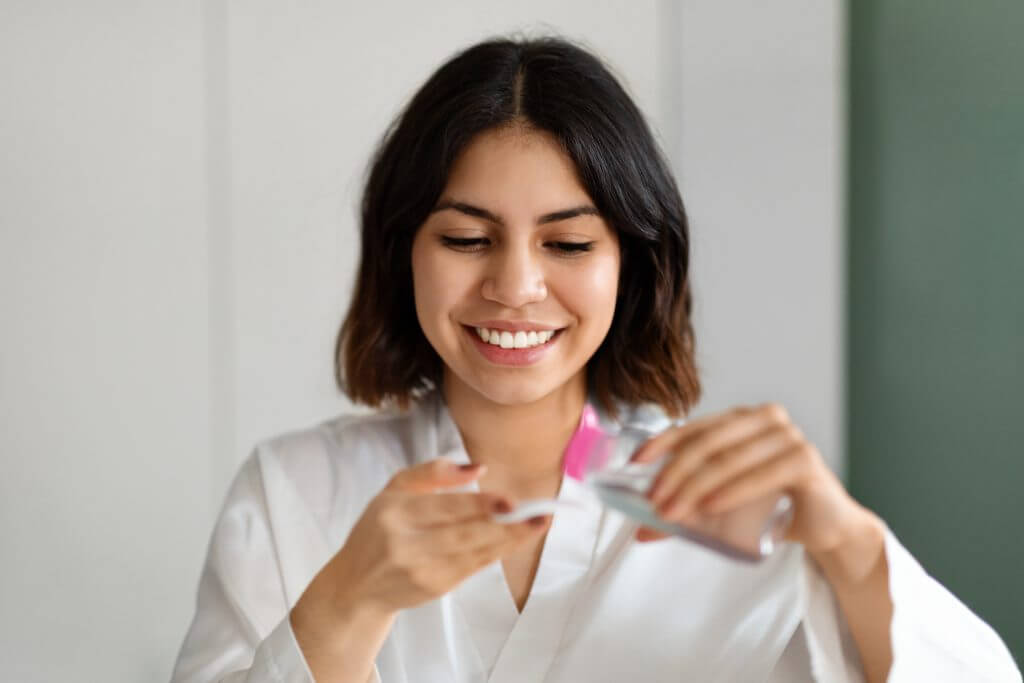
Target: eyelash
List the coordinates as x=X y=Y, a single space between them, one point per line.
x=475 y=244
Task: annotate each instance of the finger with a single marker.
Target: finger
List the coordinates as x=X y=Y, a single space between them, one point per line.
x=458 y=539
x=782 y=473
x=469 y=562
x=432 y=509
x=435 y=474
x=473 y=558
x=725 y=465
x=519 y=533
x=473 y=561
x=692 y=454
x=658 y=445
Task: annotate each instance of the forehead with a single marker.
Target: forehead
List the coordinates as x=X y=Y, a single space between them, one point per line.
x=516 y=168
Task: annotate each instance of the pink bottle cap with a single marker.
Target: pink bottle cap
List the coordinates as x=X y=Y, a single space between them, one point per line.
x=583 y=439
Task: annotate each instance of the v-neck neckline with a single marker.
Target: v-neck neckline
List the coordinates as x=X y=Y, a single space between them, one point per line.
x=500 y=632
x=496 y=642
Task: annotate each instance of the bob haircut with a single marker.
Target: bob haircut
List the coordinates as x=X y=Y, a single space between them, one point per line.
x=381 y=354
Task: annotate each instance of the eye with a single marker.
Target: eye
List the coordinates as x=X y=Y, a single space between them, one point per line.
x=468 y=244
x=571 y=248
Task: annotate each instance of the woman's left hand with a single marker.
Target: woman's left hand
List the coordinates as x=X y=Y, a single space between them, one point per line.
x=722 y=461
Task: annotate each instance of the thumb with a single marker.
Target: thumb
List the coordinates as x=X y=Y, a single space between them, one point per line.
x=435 y=474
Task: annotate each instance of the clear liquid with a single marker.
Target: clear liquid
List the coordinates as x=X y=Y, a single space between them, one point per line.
x=749 y=533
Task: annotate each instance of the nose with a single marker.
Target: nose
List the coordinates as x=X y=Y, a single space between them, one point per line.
x=515 y=278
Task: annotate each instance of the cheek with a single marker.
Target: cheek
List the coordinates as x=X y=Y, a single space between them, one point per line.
x=438 y=285
x=592 y=292
x=425 y=294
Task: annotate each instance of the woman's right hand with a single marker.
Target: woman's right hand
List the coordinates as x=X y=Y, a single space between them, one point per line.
x=412 y=544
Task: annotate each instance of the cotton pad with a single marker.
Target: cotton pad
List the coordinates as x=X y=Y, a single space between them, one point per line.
x=532 y=508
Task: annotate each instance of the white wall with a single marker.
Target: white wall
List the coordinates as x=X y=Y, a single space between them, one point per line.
x=177 y=222
x=761 y=171
x=105 y=491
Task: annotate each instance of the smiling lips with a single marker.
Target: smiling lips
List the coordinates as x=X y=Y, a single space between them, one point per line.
x=508 y=347
x=521 y=339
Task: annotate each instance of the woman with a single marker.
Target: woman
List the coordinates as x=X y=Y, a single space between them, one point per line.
x=525 y=251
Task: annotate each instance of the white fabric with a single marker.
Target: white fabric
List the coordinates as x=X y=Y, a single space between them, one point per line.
x=601 y=608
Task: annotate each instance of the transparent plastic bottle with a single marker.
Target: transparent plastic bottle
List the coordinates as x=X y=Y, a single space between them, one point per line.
x=749 y=533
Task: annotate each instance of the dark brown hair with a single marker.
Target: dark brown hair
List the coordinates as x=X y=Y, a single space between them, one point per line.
x=382 y=355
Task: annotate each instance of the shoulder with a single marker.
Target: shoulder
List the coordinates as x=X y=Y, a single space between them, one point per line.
x=348 y=455
x=382 y=432
x=354 y=443
x=329 y=470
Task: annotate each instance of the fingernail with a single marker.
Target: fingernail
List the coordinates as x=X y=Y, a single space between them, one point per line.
x=502 y=507
x=473 y=468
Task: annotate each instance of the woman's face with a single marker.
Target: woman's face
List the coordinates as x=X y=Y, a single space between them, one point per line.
x=514 y=273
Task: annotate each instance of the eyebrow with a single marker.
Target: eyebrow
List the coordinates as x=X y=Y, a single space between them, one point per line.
x=477 y=212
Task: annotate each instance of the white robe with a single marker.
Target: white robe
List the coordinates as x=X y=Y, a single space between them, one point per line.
x=602 y=607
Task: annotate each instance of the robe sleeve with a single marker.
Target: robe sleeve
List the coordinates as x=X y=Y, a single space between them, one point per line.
x=241 y=630
x=935 y=637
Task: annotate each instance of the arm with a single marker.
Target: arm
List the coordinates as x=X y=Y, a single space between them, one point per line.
x=242 y=629
x=338 y=645
x=239 y=632
x=906 y=626
x=858 y=573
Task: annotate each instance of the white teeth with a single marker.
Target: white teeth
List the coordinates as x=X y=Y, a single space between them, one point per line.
x=518 y=340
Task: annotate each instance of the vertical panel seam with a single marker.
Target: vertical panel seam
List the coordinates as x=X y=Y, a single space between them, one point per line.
x=220 y=270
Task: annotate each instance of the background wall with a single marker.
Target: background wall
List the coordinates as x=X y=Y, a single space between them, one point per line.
x=936 y=360
x=760 y=162
x=177 y=193
x=107 y=487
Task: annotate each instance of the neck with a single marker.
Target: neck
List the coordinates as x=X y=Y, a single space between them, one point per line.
x=522 y=445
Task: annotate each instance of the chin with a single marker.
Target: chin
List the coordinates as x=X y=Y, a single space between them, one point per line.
x=513 y=393
x=506 y=389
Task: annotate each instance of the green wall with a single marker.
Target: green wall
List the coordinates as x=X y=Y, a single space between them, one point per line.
x=935 y=368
